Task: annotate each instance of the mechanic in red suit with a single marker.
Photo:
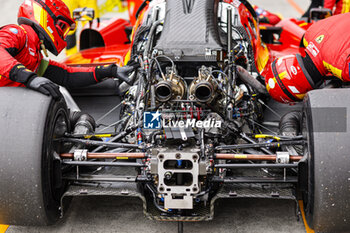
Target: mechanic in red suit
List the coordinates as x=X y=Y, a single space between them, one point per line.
x=266 y=16
x=336 y=6
x=327 y=44
x=341 y=6
x=44 y=24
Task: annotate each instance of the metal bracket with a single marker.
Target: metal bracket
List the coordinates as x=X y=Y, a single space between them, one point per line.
x=282 y=157
x=80 y=155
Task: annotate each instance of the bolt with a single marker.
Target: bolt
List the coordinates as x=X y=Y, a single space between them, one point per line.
x=168 y=175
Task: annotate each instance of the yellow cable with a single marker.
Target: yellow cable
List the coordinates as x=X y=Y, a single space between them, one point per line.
x=267 y=136
x=3 y=228
x=98 y=136
x=307 y=228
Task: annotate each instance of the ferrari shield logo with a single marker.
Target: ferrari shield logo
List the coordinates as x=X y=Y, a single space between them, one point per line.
x=320 y=39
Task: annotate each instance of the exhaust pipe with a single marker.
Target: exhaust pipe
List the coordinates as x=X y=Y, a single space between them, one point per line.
x=171 y=87
x=163 y=91
x=203 y=91
x=203 y=88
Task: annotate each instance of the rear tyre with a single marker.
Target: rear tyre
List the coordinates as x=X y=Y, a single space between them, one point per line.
x=31 y=184
x=327 y=127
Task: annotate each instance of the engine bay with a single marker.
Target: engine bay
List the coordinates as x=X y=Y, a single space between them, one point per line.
x=191 y=119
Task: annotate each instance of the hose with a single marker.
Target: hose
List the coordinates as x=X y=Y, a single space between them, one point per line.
x=249 y=79
x=155 y=199
x=290 y=123
x=151 y=137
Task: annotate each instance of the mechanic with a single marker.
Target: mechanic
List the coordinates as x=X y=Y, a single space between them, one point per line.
x=266 y=16
x=44 y=25
x=289 y=78
x=337 y=6
x=71 y=37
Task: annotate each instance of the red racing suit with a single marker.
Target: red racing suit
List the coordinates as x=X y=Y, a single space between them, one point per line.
x=341 y=6
x=21 y=59
x=328 y=45
x=266 y=16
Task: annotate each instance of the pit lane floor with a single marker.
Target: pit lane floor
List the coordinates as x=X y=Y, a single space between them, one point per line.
x=96 y=214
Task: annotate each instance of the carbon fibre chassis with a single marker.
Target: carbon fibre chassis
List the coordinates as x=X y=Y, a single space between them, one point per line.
x=206 y=213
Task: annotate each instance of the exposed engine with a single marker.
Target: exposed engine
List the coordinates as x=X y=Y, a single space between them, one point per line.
x=192 y=123
x=188 y=105
x=190 y=120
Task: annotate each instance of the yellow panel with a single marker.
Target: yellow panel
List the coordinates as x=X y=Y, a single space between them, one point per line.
x=263 y=57
x=3 y=228
x=346 y=6
x=127 y=57
x=283 y=75
x=303 y=24
x=305 y=42
x=300 y=96
x=335 y=71
x=41 y=16
x=37 y=11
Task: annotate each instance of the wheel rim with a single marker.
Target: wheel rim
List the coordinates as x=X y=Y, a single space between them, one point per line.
x=56 y=126
x=308 y=194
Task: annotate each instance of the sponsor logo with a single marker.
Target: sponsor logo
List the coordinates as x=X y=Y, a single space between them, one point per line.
x=236 y=3
x=31 y=52
x=152 y=120
x=271 y=83
x=294 y=89
x=209 y=123
x=188 y=6
x=294 y=70
x=14 y=30
x=50 y=30
x=313 y=49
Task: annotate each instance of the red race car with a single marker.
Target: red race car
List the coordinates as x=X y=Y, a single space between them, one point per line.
x=192 y=124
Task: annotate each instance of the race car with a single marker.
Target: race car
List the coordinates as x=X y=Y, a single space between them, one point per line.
x=192 y=124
